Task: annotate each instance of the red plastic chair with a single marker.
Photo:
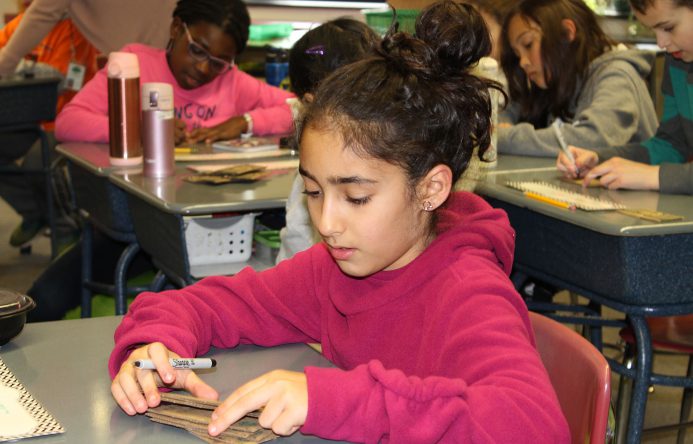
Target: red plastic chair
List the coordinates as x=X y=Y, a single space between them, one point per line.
x=579 y=374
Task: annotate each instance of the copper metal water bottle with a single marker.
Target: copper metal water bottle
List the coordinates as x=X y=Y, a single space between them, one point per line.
x=124 y=109
x=158 y=130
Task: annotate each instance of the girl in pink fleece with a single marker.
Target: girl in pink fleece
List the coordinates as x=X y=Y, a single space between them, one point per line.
x=408 y=293
x=212 y=98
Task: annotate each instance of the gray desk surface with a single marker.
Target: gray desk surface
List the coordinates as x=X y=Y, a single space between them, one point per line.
x=606 y=222
x=63 y=365
x=91 y=156
x=173 y=194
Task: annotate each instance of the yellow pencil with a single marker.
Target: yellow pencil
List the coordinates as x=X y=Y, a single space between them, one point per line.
x=183 y=150
x=548 y=200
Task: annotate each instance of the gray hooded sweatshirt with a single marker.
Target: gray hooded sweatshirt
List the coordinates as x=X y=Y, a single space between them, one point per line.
x=613 y=108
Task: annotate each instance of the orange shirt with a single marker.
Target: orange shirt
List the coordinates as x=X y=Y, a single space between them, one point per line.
x=56 y=49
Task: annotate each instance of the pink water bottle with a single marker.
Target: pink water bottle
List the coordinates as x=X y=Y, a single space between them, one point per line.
x=124 y=109
x=158 y=129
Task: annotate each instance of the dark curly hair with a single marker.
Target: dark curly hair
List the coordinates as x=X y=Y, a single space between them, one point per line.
x=230 y=15
x=324 y=49
x=566 y=62
x=415 y=102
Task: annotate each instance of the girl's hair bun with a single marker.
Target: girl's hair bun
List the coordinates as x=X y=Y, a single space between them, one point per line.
x=449 y=39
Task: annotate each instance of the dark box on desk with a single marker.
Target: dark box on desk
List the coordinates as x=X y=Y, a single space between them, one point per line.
x=27 y=100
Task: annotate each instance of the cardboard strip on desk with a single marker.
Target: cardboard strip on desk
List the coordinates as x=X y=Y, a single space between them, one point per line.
x=194 y=414
x=181 y=399
x=651 y=215
x=214 y=179
x=246 y=173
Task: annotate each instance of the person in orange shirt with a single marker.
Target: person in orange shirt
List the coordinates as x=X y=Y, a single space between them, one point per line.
x=67 y=54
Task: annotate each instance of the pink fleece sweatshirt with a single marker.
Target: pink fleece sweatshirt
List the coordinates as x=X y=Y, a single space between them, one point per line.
x=440 y=350
x=85 y=118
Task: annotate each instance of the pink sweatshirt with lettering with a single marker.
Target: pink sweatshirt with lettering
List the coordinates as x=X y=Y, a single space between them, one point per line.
x=440 y=350
x=85 y=118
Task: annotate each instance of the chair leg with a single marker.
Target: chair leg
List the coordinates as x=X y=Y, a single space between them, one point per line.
x=120 y=278
x=159 y=282
x=623 y=398
x=87 y=250
x=685 y=404
x=48 y=175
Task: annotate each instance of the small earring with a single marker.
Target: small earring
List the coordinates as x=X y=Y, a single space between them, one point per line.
x=427 y=206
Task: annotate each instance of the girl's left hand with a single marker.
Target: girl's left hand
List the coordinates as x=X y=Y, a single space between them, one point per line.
x=283 y=394
x=229 y=129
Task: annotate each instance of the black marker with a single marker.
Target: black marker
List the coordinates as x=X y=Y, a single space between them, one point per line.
x=178 y=363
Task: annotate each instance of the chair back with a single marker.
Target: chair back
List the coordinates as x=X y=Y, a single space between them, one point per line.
x=580 y=376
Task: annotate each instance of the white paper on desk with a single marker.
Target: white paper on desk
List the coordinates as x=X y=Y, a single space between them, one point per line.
x=21 y=416
x=278 y=165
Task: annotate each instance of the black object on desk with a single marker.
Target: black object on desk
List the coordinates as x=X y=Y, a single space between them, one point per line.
x=26 y=102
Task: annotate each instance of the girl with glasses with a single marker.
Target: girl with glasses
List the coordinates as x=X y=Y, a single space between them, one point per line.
x=213 y=99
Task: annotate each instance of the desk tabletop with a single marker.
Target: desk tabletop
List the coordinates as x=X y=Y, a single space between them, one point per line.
x=91 y=156
x=173 y=194
x=63 y=364
x=520 y=168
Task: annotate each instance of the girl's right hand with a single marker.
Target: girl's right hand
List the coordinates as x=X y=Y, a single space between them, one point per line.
x=135 y=390
x=585 y=160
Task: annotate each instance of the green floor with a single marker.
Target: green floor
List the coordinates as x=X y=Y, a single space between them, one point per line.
x=104 y=305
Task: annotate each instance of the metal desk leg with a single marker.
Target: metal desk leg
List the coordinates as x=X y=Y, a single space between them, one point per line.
x=643 y=372
x=121 y=276
x=87 y=251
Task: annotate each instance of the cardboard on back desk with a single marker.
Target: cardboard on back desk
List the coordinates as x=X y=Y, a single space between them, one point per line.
x=637 y=270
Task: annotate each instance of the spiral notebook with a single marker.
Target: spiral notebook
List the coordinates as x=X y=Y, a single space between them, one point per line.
x=21 y=416
x=571 y=198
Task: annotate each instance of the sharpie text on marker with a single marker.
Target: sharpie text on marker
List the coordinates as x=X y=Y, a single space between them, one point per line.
x=179 y=363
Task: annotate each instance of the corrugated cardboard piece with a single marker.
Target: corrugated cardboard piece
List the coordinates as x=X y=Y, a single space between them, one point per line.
x=194 y=414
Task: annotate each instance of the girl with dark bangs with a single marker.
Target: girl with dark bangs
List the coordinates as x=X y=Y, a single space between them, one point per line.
x=559 y=63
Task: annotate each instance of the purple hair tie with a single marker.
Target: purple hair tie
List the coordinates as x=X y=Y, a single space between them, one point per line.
x=316 y=50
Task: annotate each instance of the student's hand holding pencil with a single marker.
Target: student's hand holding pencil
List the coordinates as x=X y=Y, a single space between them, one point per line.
x=136 y=389
x=583 y=161
x=282 y=395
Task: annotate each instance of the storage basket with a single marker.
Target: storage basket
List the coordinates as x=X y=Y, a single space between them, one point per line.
x=219 y=240
x=381 y=19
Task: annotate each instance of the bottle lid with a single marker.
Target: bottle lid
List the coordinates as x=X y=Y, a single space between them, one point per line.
x=123 y=65
x=157 y=96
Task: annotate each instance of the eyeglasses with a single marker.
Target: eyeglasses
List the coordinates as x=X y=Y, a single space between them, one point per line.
x=200 y=54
